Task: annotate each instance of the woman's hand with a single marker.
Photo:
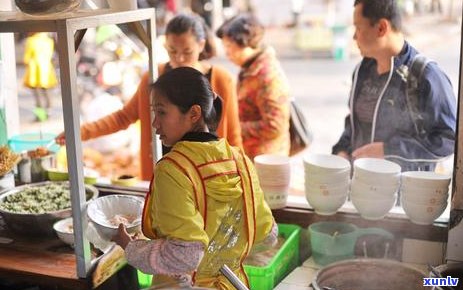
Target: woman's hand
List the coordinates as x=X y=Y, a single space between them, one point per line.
x=122 y=238
x=60 y=139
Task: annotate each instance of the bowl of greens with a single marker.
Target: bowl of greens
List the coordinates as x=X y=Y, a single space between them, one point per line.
x=32 y=209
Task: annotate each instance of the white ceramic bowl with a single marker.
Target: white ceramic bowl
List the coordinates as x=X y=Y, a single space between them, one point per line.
x=423 y=214
x=425 y=179
x=424 y=200
x=376 y=165
x=273 y=170
x=328 y=189
x=364 y=189
x=340 y=177
x=108 y=211
x=373 y=209
x=325 y=205
x=425 y=192
x=64 y=230
x=325 y=163
x=377 y=171
x=378 y=179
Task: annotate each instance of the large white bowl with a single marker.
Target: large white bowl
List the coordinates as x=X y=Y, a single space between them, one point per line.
x=273 y=170
x=64 y=230
x=424 y=193
x=424 y=200
x=425 y=179
x=378 y=171
x=325 y=163
x=378 y=178
x=423 y=214
x=340 y=177
x=373 y=209
x=325 y=205
x=365 y=189
x=104 y=212
x=328 y=189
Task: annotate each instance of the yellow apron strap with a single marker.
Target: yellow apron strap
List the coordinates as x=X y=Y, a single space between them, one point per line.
x=248 y=198
x=146 y=220
x=186 y=165
x=190 y=169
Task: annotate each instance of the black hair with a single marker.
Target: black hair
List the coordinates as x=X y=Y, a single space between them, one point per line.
x=185 y=87
x=244 y=29
x=182 y=23
x=374 y=10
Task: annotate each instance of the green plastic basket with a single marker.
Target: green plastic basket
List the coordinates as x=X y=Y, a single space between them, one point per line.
x=263 y=278
x=285 y=260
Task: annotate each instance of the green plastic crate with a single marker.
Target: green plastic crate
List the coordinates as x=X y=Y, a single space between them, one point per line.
x=263 y=278
x=285 y=260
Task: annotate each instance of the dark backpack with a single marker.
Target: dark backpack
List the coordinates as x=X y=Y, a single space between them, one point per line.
x=413 y=78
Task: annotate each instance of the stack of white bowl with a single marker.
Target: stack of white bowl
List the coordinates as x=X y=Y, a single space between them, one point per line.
x=274 y=173
x=327 y=179
x=424 y=195
x=374 y=187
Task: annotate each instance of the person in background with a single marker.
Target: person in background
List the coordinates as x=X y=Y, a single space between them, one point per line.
x=188 y=43
x=380 y=124
x=263 y=90
x=40 y=73
x=205 y=207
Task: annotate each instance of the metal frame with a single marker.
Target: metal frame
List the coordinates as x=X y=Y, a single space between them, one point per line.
x=70 y=29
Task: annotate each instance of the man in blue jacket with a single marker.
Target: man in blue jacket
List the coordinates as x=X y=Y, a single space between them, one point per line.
x=380 y=123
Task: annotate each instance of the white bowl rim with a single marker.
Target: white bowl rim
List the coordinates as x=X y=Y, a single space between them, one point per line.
x=391 y=167
x=272 y=159
x=333 y=162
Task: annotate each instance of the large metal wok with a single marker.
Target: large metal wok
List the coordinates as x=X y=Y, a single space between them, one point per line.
x=41 y=224
x=377 y=274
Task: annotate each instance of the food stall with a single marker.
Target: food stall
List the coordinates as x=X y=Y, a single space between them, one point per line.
x=44 y=261
x=48 y=263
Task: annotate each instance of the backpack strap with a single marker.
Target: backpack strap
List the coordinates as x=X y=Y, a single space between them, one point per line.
x=415 y=73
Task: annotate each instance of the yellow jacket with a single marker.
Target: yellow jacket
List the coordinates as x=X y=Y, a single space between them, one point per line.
x=208 y=192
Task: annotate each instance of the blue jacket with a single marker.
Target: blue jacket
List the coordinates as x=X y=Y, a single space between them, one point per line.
x=392 y=122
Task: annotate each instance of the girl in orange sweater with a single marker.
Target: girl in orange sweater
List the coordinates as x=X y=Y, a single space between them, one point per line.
x=188 y=43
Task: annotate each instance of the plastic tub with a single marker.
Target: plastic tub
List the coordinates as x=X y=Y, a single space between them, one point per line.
x=285 y=261
x=30 y=141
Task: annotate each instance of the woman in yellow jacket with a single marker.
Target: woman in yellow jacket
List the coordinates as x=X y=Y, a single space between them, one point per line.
x=205 y=207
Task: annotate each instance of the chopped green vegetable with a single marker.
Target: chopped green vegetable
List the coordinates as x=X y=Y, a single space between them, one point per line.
x=39 y=199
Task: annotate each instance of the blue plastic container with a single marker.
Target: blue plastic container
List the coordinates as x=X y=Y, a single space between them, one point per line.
x=30 y=141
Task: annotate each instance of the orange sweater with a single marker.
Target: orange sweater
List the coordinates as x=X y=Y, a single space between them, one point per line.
x=138 y=108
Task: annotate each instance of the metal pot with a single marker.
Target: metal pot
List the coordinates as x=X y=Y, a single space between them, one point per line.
x=36 y=224
x=32 y=170
x=378 y=274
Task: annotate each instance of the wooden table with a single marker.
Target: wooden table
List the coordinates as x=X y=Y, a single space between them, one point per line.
x=50 y=262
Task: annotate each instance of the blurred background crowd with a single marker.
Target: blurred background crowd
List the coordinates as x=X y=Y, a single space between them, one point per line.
x=313 y=40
